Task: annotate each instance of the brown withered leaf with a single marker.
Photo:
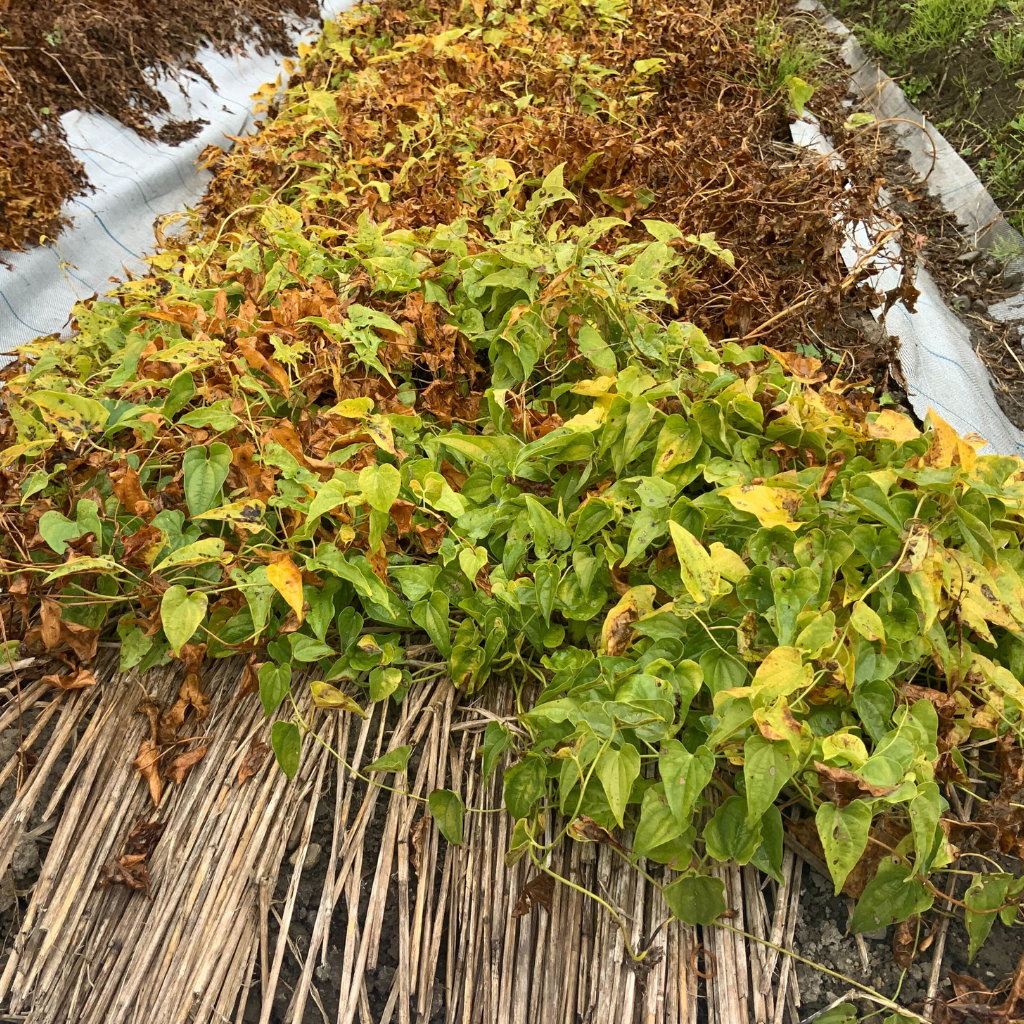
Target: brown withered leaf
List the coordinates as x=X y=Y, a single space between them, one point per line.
x=454 y=477
x=191 y=656
x=19 y=589
x=147 y=761
x=586 y=830
x=620 y=579
x=450 y=401
x=271 y=367
x=144 y=836
x=431 y=536
x=250 y=681
x=417 y=836
x=177 y=771
x=288 y=437
x=538 y=892
x=142 y=547
x=130 y=871
x=190 y=696
x=835 y=463
x=904 y=941
x=258 y=478
x=805 y=369
x=83 y=546
x=253 y=761
x=842 y=786
x=149 y=707
x=1011 y=761
x=947 y=770
x=542 y=488
x=483 y=582
x=945 y=704
x=401 y=512
x=964 y=984
x=379 y=563
x=81 y=640
x=77 y=680
x=49 y=618
x=125 y=483
x=886 y=834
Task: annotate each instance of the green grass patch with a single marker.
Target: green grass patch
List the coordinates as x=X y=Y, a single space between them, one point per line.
x=781 y=52
x=925 y=25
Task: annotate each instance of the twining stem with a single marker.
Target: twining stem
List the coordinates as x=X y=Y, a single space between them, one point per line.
x=365 y=778
x=541 y=866
x=875 y=995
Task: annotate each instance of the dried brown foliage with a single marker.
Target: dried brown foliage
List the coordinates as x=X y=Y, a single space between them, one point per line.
x=84 y=55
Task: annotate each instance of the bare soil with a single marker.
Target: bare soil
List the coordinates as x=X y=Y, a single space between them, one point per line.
x=965 y=91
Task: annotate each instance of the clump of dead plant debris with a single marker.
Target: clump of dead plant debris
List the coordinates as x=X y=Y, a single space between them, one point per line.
x=101 y=57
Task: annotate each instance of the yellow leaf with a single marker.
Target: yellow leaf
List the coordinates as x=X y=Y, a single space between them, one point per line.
x=617 y=631
x=943 y=448
x=380 y=430
x=773 y=506
x=728 y=562
x=845 y=656
x=247 y=515
x=867 y=622
x=594 y=387
x=209 y=549
x=948 y=448
x=919 y=545
x=330 y=697
x=926 y=584
x=286 y=579
x=72 y=415
x=585 y=421
x=844 y=744
x=352 y=408
x=1011 y=590
x=776 y=722
x=893 y=426
x=1001 y=679
x=30 y=450
x=696 y=570
x=780 y=674
x=980 y=598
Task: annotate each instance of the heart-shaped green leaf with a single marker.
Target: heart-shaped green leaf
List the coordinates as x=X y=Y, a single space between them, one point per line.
x=396 y=760
x=472 y=560
x=181 y=613
x=286 y=740
x=205 y=471
x=380 y=484
x=447 y=809
x=275 y=682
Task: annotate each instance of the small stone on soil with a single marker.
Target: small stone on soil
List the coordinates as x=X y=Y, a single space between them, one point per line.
x=25 y=859
x=312 y=858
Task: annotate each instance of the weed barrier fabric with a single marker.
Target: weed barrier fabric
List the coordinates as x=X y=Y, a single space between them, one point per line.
x=941 y=368
x=134 y=182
